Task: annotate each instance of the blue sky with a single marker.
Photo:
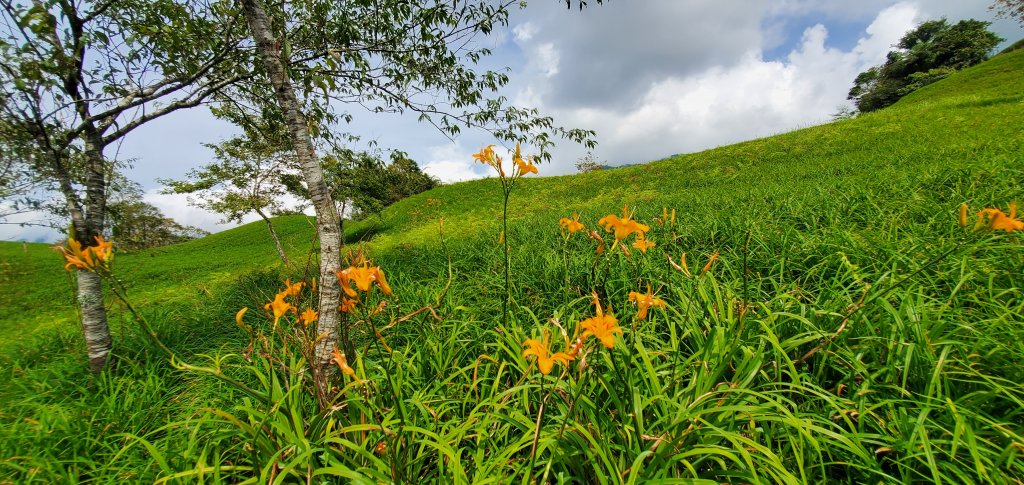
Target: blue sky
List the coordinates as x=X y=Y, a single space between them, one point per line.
x=653 y=77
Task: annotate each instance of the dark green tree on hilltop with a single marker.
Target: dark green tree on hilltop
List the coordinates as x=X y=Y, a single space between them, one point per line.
x=930 y=52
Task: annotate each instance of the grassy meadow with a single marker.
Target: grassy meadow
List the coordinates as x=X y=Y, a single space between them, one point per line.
x=849 y=330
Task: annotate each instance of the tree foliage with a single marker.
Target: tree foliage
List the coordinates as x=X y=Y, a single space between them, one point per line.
x=364 y=184
x=394 y=56
x=924 y=55
x=245 y=178
x=135 y=224
x=1013 y=9
x=248 y=176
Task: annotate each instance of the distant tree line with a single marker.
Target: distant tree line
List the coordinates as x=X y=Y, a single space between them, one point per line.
x=930 y=52
x=139 y=225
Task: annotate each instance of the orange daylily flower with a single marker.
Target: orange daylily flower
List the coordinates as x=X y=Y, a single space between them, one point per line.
x=239 y=315
x=74 y=255
x=487 y=156
x=103 y=250
x=279 y=306
x=363 y=276
x=644 y=302
x=711 y=261
x=339 y=358
x=292 y=289
x=601 y=326
x=545 y=359
x=642 y=243
x=682 y=266
x=624 y=226
x=523 y=167
x=92 y=258
x=996 y=219
x=348 y=305
x=571 y=225
x=308 y=316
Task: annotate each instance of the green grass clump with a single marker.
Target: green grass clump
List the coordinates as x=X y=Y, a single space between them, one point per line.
x=850 y=331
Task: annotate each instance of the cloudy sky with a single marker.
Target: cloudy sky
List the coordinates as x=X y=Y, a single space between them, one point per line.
x=653 y=77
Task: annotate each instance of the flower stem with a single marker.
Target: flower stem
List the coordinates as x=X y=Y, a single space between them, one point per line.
x=507 y=191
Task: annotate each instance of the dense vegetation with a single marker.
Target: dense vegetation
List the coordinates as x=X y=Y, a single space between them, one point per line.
x=932 y=51
x=851 y=330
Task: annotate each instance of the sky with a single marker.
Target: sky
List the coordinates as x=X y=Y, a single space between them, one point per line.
x=653 y=78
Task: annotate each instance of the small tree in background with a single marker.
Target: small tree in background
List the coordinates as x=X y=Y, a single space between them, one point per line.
x=930 y=52
x=363 y=184
x=139 y=225
x=79 y=76
x=589 y=163
x=246 y=178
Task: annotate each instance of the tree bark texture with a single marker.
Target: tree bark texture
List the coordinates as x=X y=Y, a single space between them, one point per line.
x=327 y=218
x=94 y=320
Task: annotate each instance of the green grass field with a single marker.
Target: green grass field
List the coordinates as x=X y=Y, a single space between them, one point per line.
x=851 y=331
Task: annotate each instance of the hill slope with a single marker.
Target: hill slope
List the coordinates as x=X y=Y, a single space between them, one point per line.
x=809 y=225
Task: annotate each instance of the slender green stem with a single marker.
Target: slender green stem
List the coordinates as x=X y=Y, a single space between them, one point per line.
x=507 y=190
x=576 y=396
x=391 y=384
x=536 y=433
x=565 y=265
x=121 y=293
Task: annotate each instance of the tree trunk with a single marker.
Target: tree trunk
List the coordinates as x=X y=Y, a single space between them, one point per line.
x=90 y=287
x=277 y=241
x=327 y=218
x=94 y=320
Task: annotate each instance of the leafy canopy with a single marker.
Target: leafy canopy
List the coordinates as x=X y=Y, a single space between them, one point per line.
x=246 y=177
x=930 y=52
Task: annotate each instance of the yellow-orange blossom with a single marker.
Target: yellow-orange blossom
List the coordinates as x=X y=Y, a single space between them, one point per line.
x=541 y=350
x=603 y=326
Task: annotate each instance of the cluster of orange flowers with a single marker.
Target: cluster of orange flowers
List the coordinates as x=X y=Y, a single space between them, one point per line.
x=623 y=227
x=603 y=326
x=364 y=276
x=93 y=259
x=994 y=219
x=522 y=166
x=281 y=306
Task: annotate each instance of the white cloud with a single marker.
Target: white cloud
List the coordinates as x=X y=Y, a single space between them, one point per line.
x=176 y=207
x=451 y=163
x=726 y=103
x=12 y=230
x=524 y=31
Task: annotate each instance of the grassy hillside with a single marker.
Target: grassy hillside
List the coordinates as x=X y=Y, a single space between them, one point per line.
x=922 y=382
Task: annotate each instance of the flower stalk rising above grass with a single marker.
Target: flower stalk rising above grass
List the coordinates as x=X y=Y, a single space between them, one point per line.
x=521 y=167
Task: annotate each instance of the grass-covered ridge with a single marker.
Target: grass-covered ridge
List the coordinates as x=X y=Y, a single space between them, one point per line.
x=850 y=225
